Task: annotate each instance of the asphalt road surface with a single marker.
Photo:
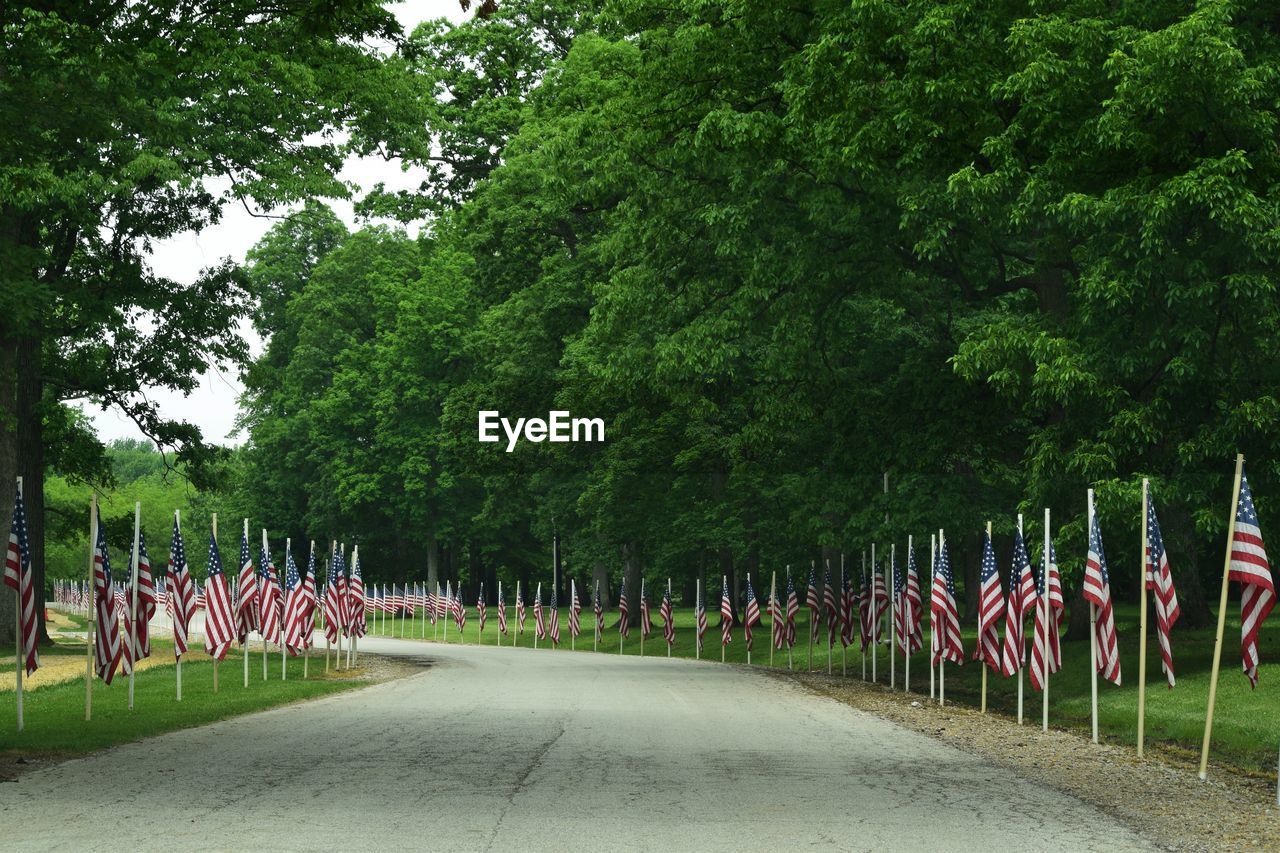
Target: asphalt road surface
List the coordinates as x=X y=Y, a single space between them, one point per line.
x=516 y=749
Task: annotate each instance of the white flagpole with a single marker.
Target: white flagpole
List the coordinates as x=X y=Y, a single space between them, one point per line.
x=697 y=652
x=672 y=615
x=19 y=637
x=1093 y=641
x=875 y=617
x=724 y=581
x=942 y=659
x=744 y=620
x=244 y=646
x=643 y=609
x=261 y=600
x=284 y=662
x=1142 y=623
x=93 y=611
x=907 y=631
x=328 y=576
x=844 y=650
x=573 y=595
x=133 y=601
x=983 y=664
x=774 y=611
x=538 y=601
x=1022 y=645
x=206 y=610
x=1048 y=614
x=933 y=640
x=862 y=648
x=448 y=596
x=892 y=587
x=1222 y=619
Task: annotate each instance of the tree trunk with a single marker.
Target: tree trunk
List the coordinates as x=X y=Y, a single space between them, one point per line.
x=970 y=568
x=631 y=576
x=1186 y=561
x=8 y=468
x=30 y=450
x=728 y=570
x=433 y=564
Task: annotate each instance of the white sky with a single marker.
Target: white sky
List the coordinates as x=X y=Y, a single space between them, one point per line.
x=212 y=406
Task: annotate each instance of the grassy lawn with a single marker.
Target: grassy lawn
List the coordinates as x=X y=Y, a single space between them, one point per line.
x=1246 y=723
x=54 y=714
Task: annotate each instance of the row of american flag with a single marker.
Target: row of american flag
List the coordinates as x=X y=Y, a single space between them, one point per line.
x=281 y=607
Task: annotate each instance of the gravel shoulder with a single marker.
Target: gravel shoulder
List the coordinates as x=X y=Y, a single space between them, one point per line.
x=1158 y=796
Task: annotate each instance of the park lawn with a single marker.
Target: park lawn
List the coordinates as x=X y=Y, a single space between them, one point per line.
x=1246 y=730
x=54 y=714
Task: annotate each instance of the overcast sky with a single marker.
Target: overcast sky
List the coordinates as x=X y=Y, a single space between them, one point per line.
x=212 y=406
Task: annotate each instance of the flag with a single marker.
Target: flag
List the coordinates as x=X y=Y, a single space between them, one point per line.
x=646 y=623
x=865 y=612
x=136 y=624
x=668 y=622
x=1022 y=585
x=1249 y=568
x=181 y=598
x=913 y=604
x=831 y=608
x=309 y=600
x=553 y=629
x=793 y=608
x=246 y=593
x=18 y=574
x=270 y=599
x=726 y=615
x=813 y=600
x=943 y=607
x=292 y=626
x=356 y=599
x=332 y=616
x=1097 y=590
x=990 y=608
x=880 y=602
x=846 y=610
x=502 y=612
x=459 y=609
x=598 y=608
x=481 y=607
x=700 y=611
x=751 y=614
x=540 y=626
x=1045 y=642
x=777 y=620
x=519 y=609
x=219 y=619
x=1160 y=579
x=106 y=647
x=575 y=609
x=624 y=614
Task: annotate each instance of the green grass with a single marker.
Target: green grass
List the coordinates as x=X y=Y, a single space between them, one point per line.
x=1245 y=721
x=54 y=714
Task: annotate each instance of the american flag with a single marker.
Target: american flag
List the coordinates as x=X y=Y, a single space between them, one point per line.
x=199 y=599
x=646 y=623
x=1160 y=579
x=292 y=625
x=726 y=615
x=752 y=613
x=881 y=602
x=668 y=622
x=1045 y=633
x=777 y=619
x=136 y=625
x=575 y=609
x=624 y=614
x=1097 y=589
x=270 y=600
x=343 y=594
x=180 y=589
x=553 y=628
x=481 y=607
x=793 y=608
x=813 y=600
x=519 y=609
x=899 y=615
x=830 y=606
x=990 y=608
x=1249 y=568
x=700 y=613
x=1022 y=583
x=912 y=605
x=502 y=611
x=332 y=601
x=355 y=598
x=433 y=604
x=539 y=624
x=106 y=647
x=846 y=609
x=459 y=609
x=246 y=593
x=598 y=609
x=864 y=610
x=309 y=600
x=943 y=607
x=219 y=619
x=17 y=574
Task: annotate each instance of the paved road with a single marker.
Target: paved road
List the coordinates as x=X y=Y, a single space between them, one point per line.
x=515 y=749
